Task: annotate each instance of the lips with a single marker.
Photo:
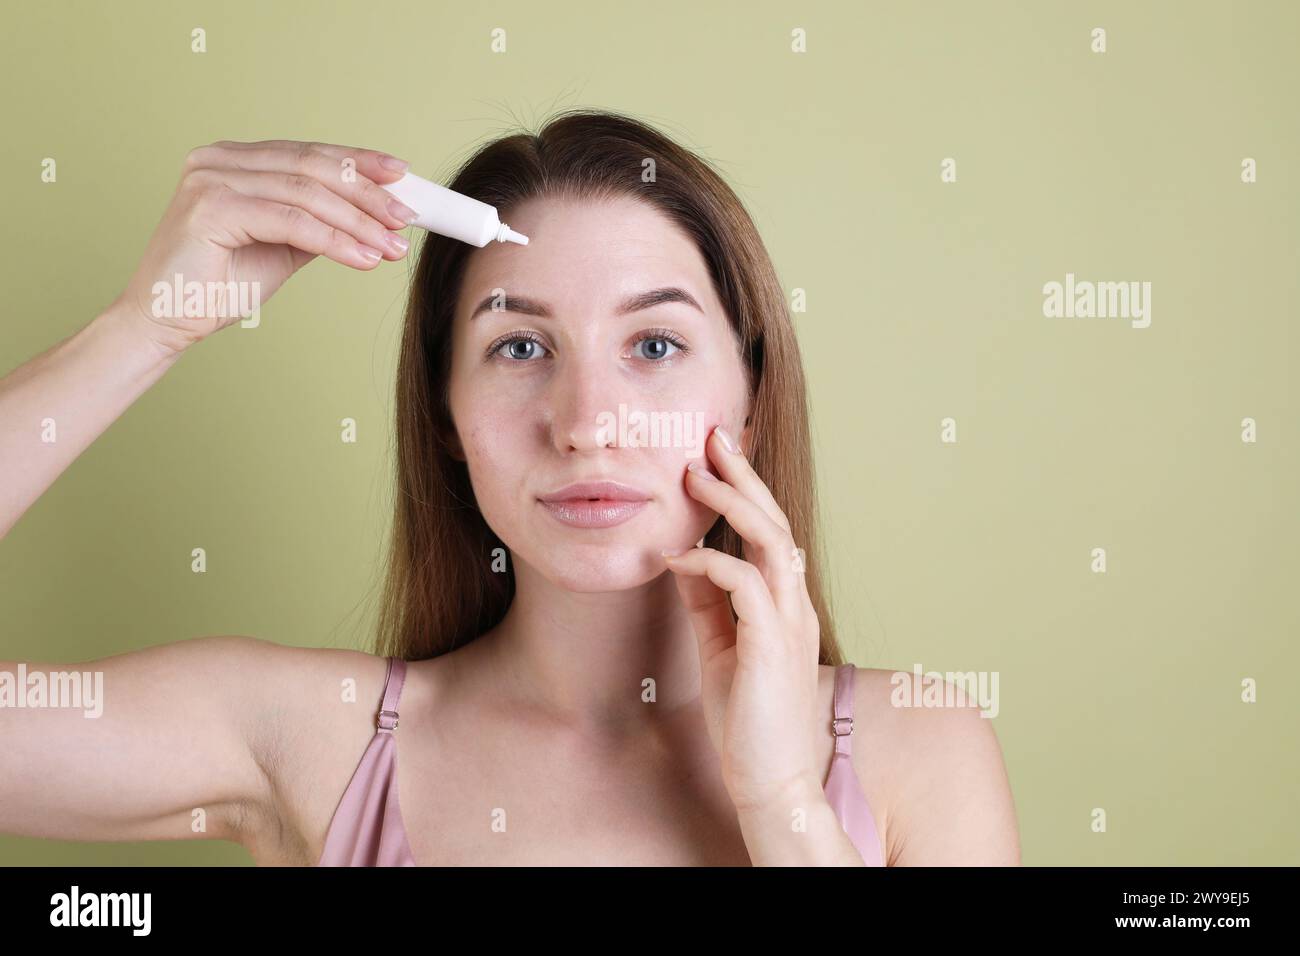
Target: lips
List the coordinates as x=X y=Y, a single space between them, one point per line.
x=594 y=504
x=597 y=491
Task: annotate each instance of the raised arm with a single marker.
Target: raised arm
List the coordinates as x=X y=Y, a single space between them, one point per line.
x=53 y=407
x=166 y=743
x=244 y=218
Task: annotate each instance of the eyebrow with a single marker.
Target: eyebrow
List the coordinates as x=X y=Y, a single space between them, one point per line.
x=634 y=303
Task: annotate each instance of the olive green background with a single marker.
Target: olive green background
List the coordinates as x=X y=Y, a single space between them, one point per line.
x=1118 y=690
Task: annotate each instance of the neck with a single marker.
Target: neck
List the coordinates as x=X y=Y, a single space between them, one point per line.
x=583 y=659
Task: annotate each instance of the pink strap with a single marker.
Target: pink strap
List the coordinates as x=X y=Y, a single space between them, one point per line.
x=393 y=681
x=842 y=725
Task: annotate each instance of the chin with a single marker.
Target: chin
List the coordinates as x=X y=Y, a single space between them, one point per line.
x=595 y=569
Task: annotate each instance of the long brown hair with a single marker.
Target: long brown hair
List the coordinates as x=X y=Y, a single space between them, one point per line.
x=441 y=591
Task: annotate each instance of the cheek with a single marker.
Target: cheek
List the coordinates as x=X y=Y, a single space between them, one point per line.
x=716 y=397
x=672 y=462
x=494 y=441
x=724 y=402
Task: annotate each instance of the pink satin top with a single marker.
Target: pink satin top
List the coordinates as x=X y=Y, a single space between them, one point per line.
x=367 y=828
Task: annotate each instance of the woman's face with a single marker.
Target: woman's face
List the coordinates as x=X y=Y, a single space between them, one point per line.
x=570 y=365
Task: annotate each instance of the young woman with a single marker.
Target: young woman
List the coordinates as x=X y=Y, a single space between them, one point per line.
x=562 y=675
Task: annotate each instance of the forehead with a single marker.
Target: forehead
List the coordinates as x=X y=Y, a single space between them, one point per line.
x=585 y=251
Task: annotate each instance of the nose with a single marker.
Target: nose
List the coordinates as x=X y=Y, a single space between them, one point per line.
x=583 y=403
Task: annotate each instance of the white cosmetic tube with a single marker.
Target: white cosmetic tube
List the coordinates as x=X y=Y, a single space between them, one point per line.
x=452 y=214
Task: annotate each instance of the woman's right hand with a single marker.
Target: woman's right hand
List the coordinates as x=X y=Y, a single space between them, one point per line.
x=257 y=213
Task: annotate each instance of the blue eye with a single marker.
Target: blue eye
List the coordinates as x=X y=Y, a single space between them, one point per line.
x=660 y=344
x=656 y=348
x=518 y=347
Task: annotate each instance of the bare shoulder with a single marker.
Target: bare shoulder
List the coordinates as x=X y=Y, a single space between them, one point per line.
x=941 y=774
x=287 y=690
x=310 y=714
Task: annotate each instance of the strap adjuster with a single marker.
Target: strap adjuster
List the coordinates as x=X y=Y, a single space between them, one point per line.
x=380 y=720
x=836 y=730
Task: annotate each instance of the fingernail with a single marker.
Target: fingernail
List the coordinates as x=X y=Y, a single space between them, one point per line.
x=370 y=255
x=399 y=210
x=727 y=441
x=393 y=163
x=673 y=552
x=700 y=470
x=397 y=243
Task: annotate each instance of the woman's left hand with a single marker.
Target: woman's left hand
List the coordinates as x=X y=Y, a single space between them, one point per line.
x=759 y=669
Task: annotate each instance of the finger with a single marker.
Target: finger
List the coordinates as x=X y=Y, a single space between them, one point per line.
x=293 y=189
x=770 y=545
x=740 y=579
x=347 y=172
x=375 y=164
x=264 y=221
x=710 y=613
x=736 y=470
